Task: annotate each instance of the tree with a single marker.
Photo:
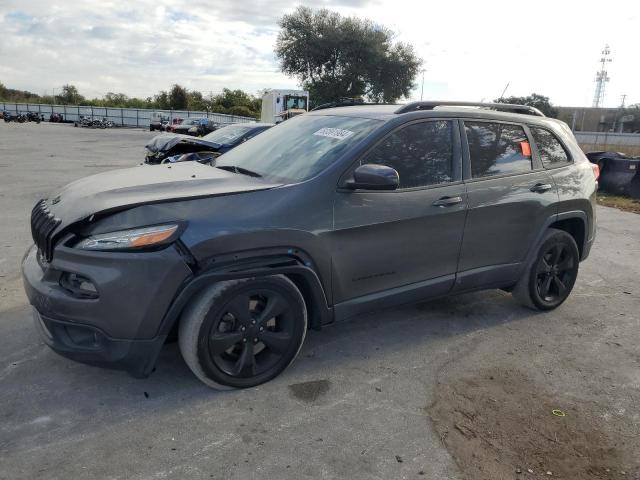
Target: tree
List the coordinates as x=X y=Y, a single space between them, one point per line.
x=3 y=91
x=178 y=97
x=161 y=100
x=195 y=101
x=69 y=95
x=334 y=57
x=116 y=100
x=540 y=102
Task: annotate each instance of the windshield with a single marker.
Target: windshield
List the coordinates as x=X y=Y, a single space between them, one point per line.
x=228 y=134
x=299 y=148
x=291 y=101
x=191 y=121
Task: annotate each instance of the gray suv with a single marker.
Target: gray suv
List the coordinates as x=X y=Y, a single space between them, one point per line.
x=329 y=215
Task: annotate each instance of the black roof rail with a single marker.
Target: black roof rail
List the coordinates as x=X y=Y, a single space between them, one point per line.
x=501 y=107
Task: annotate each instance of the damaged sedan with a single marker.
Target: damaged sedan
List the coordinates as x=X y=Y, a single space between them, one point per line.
x=172 y=148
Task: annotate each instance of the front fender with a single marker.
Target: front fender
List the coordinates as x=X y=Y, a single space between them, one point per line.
x=294 y=266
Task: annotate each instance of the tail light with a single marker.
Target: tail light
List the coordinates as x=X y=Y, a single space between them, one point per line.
x=596 y=170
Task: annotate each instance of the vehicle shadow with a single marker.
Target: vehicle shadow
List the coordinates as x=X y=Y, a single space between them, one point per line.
x=415 y=326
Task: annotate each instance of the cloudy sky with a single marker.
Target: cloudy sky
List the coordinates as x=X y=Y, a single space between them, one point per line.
x=471 y=49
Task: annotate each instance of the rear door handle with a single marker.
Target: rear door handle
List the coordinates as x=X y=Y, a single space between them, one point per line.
x=447 y=201
x=541 y=187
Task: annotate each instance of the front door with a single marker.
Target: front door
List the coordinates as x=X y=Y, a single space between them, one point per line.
x=393 y=239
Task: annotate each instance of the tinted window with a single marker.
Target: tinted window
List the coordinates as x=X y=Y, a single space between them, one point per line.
x=496 y=149
x=422 y=154
x=550 y=149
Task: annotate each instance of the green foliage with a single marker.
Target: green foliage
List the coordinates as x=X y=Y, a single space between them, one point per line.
x=233 y=102
x=178 y=97
x=335 y=57
x=241 y=111
x=69 y=95
x=22 y=96
x=540 y=102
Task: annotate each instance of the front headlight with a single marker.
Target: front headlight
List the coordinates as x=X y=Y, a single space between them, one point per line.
x=130 y=239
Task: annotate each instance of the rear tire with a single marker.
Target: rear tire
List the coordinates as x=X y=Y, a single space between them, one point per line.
x=550 y=277
x=241 y=333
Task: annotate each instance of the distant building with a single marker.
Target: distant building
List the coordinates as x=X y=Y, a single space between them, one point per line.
x=589 y=119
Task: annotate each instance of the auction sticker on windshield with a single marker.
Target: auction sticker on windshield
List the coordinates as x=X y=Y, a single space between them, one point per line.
x=338 y=133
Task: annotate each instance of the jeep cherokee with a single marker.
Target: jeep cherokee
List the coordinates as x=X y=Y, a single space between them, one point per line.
x=331 y=214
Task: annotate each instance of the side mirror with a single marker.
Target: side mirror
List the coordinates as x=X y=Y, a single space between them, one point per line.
x=374 y=177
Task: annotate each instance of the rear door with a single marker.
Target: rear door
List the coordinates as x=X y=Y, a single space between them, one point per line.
x=510 y=198
x=388 y=239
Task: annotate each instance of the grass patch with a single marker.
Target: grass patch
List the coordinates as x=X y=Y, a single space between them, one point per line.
x=621 y=203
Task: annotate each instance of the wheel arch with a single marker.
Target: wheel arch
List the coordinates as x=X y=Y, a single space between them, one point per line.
x=292 y=265
x=571 y=221
x=574 y=225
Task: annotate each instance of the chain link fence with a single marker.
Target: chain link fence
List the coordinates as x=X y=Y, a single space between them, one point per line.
x=125 y=117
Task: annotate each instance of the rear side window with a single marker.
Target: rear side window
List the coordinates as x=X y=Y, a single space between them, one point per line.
x=551 y=151
x=422 y=153
x=497 y=149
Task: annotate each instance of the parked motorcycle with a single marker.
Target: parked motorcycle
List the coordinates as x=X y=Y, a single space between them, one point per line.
x=33 y=117
x=93 y=123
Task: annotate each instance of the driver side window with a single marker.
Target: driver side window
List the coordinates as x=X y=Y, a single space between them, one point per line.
x=421 y=153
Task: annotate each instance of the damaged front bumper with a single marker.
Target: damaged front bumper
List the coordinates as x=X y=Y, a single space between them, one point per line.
x=118 y=326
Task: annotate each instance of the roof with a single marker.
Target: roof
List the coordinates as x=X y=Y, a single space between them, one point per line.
x=435 y=109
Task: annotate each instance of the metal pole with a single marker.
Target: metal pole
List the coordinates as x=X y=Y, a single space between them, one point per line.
x=505 y=90
x=422 y=89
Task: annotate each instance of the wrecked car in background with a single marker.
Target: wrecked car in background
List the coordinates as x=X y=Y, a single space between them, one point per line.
x=196 y=127
x=171 y=148
x=158 y=122
x=618 y=172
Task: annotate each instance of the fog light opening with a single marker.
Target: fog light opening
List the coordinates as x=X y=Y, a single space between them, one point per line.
x=78 y=285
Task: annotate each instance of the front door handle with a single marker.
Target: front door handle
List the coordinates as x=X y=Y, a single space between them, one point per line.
x=541 y=187
x=447 y=201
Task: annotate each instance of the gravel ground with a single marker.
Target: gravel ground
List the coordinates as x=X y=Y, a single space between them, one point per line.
x=377 y=397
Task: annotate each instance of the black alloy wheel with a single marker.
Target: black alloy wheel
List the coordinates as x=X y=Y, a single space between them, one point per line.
x=242 y=333
x=251 y=333
x=551 y=275
x=555 y=274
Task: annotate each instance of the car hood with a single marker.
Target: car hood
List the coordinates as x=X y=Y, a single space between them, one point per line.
x=128 y=187
x=164 y=143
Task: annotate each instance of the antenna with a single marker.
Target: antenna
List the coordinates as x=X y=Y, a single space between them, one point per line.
x=601 y=78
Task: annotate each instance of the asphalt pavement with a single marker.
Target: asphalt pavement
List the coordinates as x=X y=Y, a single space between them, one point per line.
x=354 y=405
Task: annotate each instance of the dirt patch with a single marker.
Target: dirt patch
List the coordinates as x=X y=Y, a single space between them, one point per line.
x=621 y=203
x=500 y=425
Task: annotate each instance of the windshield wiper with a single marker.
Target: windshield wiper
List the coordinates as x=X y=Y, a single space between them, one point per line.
x=240 y=170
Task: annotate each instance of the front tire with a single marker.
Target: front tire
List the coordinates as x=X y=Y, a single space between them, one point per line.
x=549 y=279
x=241 y=333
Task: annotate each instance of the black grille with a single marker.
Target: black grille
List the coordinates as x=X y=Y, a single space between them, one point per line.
x=43 y=223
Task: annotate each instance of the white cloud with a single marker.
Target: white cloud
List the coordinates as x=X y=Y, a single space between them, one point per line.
x=471 y=49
